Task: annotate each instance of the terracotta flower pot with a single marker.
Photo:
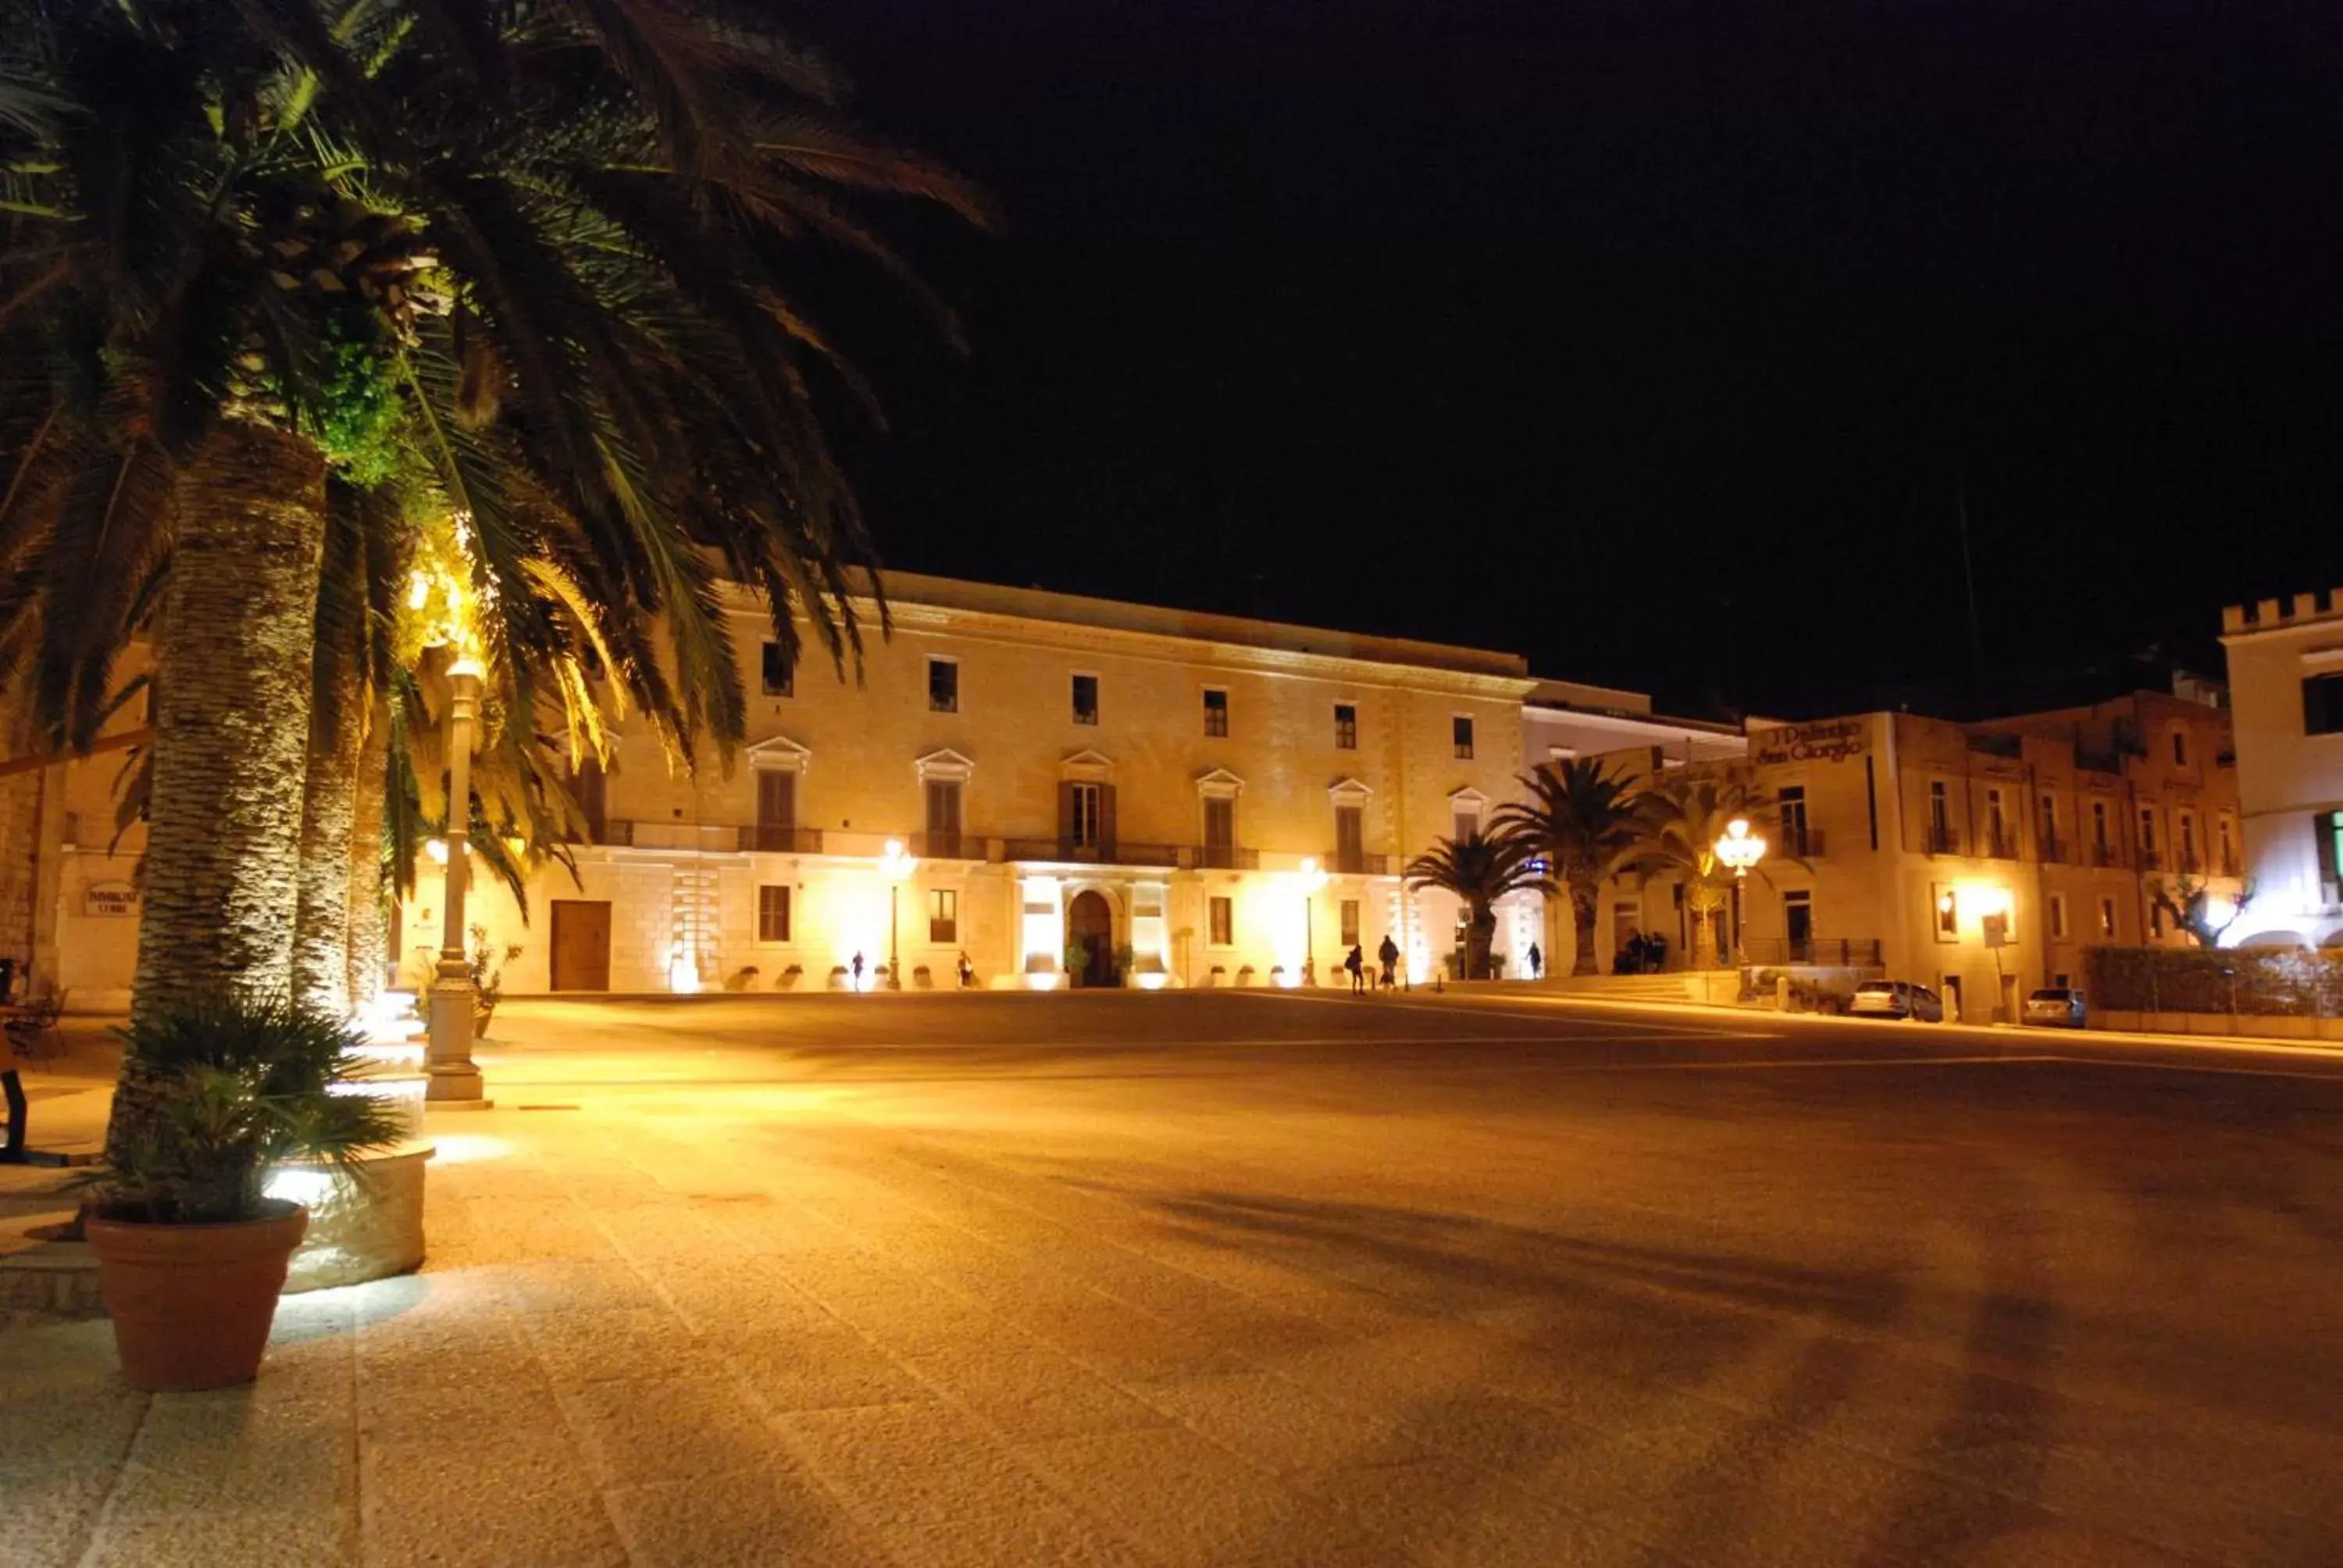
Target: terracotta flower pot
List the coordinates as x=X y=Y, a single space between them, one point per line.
x=192 y=1304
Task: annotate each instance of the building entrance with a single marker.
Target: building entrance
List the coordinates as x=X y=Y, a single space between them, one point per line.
x=1090 y=940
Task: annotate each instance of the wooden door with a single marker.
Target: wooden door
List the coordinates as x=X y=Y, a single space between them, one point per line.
x=581 y=945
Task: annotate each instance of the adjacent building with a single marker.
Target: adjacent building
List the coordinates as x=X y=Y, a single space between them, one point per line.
x=2286 y=677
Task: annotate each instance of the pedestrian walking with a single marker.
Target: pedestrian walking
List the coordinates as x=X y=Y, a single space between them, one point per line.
x=857 y=971
x=967 y=973
x=1388 y=954
x=1636 y=951
x=1537 y=962
x=1357 y=964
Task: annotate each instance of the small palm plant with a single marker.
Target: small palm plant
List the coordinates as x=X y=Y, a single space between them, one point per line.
x=1585 y=822
x=1683 y=820
x=235 y=1088
x=1480 y=870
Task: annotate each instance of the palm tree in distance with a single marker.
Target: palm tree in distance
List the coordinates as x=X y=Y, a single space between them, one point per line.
x=1586 y=824
x=1682 y=819
x=1480 y=870
x=541 y=264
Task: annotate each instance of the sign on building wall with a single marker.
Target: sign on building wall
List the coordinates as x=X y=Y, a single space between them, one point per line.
x=110 y=900
x=1834 y=741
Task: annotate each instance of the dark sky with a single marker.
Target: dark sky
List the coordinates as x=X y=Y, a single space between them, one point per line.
x=1658 y=342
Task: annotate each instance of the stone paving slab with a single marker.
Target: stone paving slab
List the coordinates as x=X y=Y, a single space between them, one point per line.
x=944 y=1320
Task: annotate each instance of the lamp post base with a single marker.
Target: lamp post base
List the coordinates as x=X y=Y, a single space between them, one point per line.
x=452 y=1080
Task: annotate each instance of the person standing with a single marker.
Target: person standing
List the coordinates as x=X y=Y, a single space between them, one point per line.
x=1357 y=964
x=1537 y=962
x=1388 y=954
x=857 y=969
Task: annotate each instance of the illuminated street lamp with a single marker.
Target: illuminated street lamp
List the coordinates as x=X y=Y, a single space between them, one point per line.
x=1740 y=848
x=1312 y=879
x=894 y=865
x=453 y=1078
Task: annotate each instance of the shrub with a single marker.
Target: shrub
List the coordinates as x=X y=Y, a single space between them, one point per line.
x=2270 y=982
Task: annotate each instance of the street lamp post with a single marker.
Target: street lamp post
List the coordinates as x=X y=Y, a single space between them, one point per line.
x=452 y=1079
x=1739 y=849
x=894 y=865
x=1312 y=879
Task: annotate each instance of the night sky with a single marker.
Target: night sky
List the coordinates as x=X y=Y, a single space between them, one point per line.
x=1658 y=342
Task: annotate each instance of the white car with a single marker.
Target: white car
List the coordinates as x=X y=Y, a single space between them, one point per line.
x=1897 y=998
x=2056 y=1007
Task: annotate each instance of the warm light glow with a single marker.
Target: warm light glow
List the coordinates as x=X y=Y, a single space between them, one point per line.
x=296 y=1184
x=894 y=865
x=438 y=850
x=1154 y=980
x=1944 y=903
x=2221 y=913
x=1981 y=898
x=682 y=972
x=456 y=1147
x=468 y=666
x=1312 y=879
x=1041 y=979
x=1740 y=848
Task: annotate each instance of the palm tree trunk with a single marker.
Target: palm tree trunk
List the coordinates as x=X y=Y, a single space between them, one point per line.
x=1583 y=899
x=1479 y=933
x=367 y=938
x=1704 y=932
x=321 y=935
x=231 y=730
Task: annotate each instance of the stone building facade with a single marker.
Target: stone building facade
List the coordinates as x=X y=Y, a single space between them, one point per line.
x=1080 y=792
x=2286 y=677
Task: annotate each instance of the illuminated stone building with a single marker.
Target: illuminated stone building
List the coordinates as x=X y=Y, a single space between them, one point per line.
x=1082 y=792
x=2286 y=674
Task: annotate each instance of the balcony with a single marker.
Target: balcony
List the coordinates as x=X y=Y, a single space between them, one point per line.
x=1355 y=863
x=1221 y=857
x=2104 y=856
x=1801 y=842
x=769 y=839
x=947 y=846
x=2189 y=866
x=1065 y=850
x=2228 y=866
x=2000 y=844
x=1940 y=839
x=2054 y=851
x=2150 y=860
x=1843 y=952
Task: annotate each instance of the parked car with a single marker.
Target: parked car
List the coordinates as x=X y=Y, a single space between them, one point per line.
x=1897 y=998
x=2056 y=1006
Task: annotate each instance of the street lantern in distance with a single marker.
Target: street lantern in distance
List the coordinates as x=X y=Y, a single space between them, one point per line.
x=895 y=865
x=1739 y=848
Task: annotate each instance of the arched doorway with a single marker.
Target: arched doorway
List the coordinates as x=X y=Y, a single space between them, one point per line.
x=1090 y=940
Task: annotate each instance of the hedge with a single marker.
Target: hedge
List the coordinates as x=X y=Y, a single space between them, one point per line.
x=2269 y=981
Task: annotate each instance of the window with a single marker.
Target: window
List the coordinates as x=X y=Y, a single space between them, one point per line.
x=1467 y=824
x=773 y=913
x=1219 y=831
x=1346 y=727
x=2049 y=825
x=1995 y=824
x=943 y=686
x=943 y=808
x=1350 y=839
x=1216 y=712
x=2058 y=915
x=1794 y=819
x=2322 y=704
x=1948 y=914
x=2099 y=828
x=1461 y=728
x=1085 y=811
x=2180 y=748
x=2187 y=842
x=2108 y=919
x=777 y=671
x=1350 y=922
x=2326 y=832
x=1223 y=933
x=2155 y=920
x=1940 y=817
x=777 y=809
x=943 y=915
x=2228 y=849
x=2148 y=829
x=1086 y=699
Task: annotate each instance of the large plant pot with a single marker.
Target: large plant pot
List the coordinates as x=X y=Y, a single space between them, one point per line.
x=192 y=1304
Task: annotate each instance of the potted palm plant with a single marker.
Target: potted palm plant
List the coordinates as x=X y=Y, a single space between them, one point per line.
x=191 y=1250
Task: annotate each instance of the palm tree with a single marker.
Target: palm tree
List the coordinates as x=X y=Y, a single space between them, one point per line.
x=1586 y=823
x=1480 y=870
x=539 y=260
x=1682 y=819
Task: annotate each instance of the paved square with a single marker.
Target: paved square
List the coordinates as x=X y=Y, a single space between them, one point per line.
x=1252 y=1279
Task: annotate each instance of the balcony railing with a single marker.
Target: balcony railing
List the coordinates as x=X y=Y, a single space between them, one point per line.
x=2053 y=850
x=1355 y=863
x=1941 y=839
x=768 y=838
x=2000 y=844
x=2189 y=866
x=1801 y=843
x=1120 y=853
x=1844 y=952
x=2228 y=864
x=2149 y=859
x=1221 y=857
x=619 y=834
x=947 y=846
x=2103 y=855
